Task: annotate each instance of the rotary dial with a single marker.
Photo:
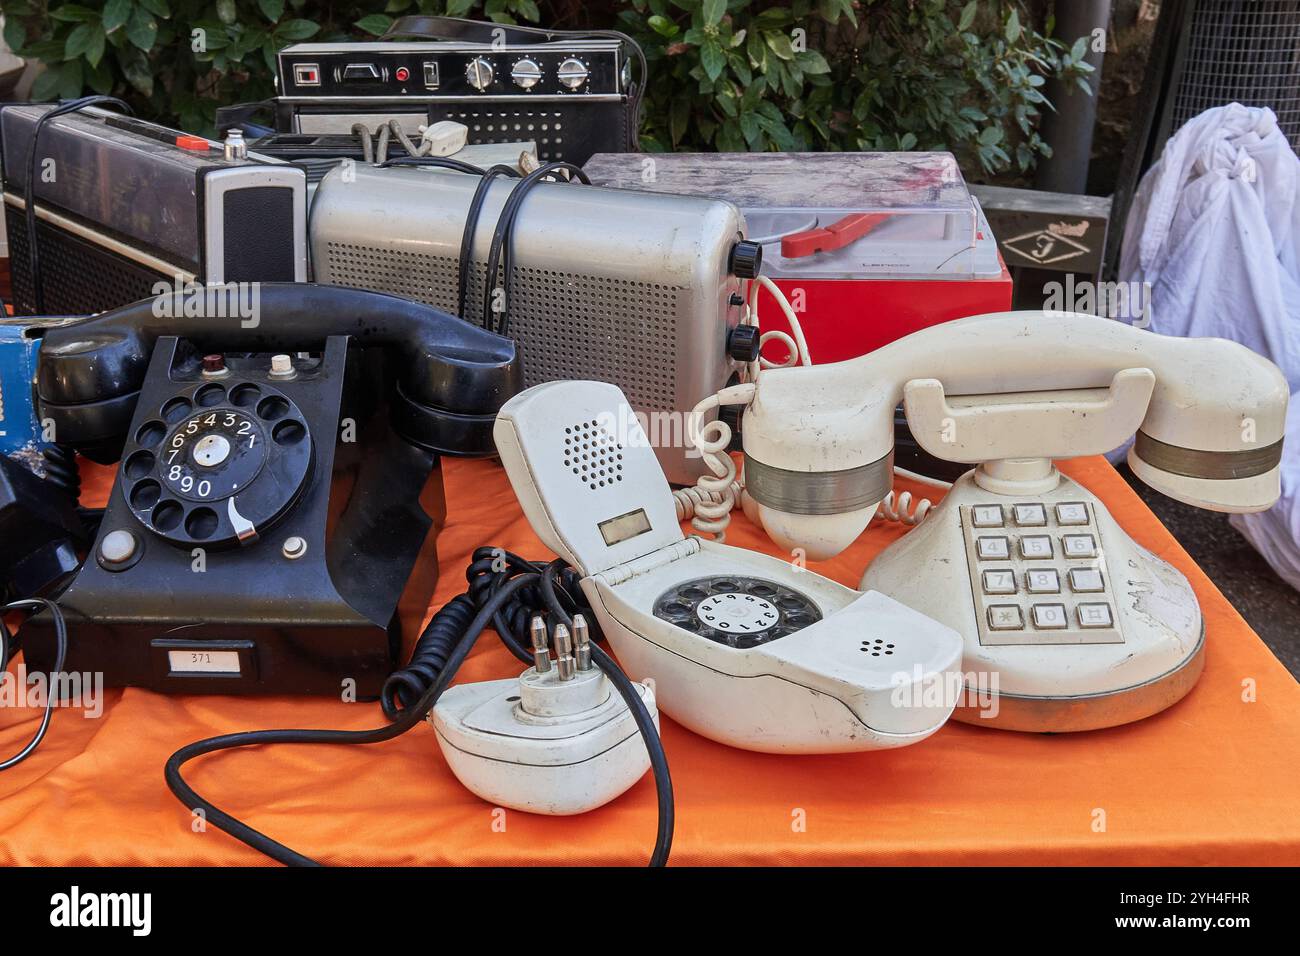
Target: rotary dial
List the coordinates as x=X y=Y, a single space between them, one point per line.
x=213 y=454
x=217 y=463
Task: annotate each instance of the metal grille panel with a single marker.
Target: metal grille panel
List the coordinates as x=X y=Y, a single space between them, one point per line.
x=1247 y=51
x=544 y=127
x=568 y=325
x=78 y=277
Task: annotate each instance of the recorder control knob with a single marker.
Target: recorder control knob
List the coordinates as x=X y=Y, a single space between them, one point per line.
x=746 y=259
x=479 y=73
x=572 y=73
x=526 y=74
x=743 y=344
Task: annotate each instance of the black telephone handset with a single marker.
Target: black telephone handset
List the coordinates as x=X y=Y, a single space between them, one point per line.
x=452 y=376
x=269 y=526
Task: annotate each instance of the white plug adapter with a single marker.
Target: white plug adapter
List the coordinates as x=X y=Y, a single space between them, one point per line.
x=444 y=138
x=542 y=743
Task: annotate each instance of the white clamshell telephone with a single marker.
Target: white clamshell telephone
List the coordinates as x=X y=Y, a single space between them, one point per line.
x=743 y=648
x=1080 y=627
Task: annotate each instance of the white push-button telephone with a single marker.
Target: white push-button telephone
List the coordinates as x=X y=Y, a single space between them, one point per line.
x=744 y=649
x=1078 y=626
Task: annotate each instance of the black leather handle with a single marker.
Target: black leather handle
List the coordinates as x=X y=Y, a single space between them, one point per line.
x=473 y=31
x=89 y=372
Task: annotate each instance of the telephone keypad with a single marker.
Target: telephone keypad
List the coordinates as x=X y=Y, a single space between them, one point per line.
x=1095 y=615
x=999 y=582
x=1050 y=616
x=1086 y=581
x=1036 y=547
x=1079 y=545
x=1042 y=581
x=1070 y=513
x=1005 y=617
x=1030 y=516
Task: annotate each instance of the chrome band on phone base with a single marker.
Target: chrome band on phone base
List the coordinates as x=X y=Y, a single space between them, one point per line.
x=819 y=492
x=1214 y=465
x=1061 y=715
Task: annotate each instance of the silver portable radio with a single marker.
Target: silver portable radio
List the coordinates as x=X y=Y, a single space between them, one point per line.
x=632 y=288
x=121 y=204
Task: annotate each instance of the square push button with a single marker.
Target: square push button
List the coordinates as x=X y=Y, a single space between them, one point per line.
x=1079 y=545
x=1086 y=580
x=1072 y=513
x=986 y=516
x=1005 y=617
x=306 y=74
x=999 y=582
x=1030 y=516
x=992 y=548
x=1035 y=546
x=1050 y=616
x=1043 y=581
x=1095 y=615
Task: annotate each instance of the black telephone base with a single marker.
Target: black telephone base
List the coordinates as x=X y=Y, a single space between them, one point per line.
x=273 y=533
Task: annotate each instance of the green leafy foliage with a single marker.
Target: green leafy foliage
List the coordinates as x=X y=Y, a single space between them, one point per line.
x=724 y=74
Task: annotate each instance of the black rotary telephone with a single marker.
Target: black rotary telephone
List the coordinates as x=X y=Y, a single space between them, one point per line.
x=273 y=519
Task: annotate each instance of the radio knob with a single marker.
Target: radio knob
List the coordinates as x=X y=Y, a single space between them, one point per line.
x=572 y=73
x=526 y=74
x=479 y=73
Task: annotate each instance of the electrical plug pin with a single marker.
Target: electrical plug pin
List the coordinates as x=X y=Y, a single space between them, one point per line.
x=581 y=642
x=541 y=647
x=564 y=652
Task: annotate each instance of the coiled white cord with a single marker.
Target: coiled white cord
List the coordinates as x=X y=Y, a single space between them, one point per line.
x=709 y=503
x=898 y=506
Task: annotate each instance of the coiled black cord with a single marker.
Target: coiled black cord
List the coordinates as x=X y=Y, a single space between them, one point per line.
x=501 y=591
x=29 y=190
x=61 y=470
x=489 y=571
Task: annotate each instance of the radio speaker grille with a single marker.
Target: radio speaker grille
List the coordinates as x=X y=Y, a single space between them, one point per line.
x=79 y=277
x=568 y=325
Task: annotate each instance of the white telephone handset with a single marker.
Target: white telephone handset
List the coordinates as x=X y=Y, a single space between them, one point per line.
x=743 y=648
x=1080 y=627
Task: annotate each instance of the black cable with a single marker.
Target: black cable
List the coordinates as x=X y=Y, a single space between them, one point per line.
x=499 y=252
x=504 y=589
x=471 y=226
x=61 y=638
x=408 y=719
x=29 y=191
x=640 y=713
x=638 y=96
x=442 y=162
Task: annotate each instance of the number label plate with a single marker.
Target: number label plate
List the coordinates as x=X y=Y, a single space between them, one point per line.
x=204 y=662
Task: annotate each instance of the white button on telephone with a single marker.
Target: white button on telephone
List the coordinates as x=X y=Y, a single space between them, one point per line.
x=743 y=648
x=1078 y=625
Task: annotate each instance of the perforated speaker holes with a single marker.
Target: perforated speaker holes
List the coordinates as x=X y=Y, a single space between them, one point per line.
x=877 y=647
x=592 y=454
x=737 y=611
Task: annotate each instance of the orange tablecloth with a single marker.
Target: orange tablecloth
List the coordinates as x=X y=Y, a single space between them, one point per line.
x=1213 y=780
